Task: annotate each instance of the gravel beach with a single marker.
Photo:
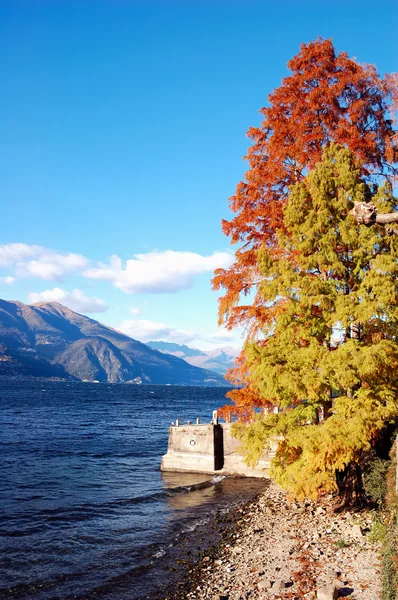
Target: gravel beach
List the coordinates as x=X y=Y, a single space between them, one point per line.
x=273 y=548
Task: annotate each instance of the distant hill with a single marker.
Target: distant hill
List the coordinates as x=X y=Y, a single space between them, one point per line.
x=50 y=340
x=179 y=350
x=219 y=360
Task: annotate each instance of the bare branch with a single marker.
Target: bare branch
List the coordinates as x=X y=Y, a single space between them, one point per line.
x=365 y=213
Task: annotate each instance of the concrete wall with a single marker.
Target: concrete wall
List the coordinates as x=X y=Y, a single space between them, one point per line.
x=209 y=449
x=191 y=448
x=234 y=462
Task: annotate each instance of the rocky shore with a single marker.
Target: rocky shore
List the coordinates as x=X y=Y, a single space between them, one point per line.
x=272 y=548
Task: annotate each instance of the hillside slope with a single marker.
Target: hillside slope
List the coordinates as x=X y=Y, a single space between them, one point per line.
x=74 y=344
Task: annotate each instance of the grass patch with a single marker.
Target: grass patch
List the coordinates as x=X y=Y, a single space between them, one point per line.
x=343 y=544
x=380 y=482
x=378 y=531
x=390 y=543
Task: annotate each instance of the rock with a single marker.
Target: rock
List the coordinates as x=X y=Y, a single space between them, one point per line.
x=265 y=584
x=279 y=584
x=327 y=592
x=356 y=531
x=332 y=574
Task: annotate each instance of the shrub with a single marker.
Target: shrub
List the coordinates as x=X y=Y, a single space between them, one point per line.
x=375 y=480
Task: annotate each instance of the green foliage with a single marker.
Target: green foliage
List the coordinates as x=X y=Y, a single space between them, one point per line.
x=378 y=531
x=343 y=544
x=375 y=480
x=390 y=542
x=331 y=330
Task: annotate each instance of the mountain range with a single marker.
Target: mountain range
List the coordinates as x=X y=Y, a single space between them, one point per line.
x=50 y=340
x=219 y=360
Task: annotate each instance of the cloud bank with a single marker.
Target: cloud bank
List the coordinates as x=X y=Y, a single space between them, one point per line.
x=151 y=273
x=40 y=262
x=145 y=331
x=158 y=272
x=75 y=300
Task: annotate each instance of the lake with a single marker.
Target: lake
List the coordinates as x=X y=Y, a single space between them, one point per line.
x=84 y=510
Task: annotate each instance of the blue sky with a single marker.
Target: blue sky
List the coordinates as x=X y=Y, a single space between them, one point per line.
x=123 y=129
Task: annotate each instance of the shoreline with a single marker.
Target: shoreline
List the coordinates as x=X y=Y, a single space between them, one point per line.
x=272 y=548
x=202 y=516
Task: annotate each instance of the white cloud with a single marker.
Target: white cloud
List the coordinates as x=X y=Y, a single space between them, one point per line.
x=76 y=300
x=135 y=311
x=158 y=272
x=154 y=272
x=37 y=261
x=145 y=331
x=7 y=280
x=10 y=254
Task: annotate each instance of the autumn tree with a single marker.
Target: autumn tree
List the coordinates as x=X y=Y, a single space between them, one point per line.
x=327 y=356
x=328 y=97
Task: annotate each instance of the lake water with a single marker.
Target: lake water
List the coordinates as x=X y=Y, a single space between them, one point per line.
x=84 y=510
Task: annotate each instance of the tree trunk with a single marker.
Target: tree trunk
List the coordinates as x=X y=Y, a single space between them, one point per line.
x=326 y=410
x=350 y=484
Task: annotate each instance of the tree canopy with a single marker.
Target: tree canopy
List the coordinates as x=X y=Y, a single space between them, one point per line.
x=328 y=97
x=332 y=331
x=314 y=290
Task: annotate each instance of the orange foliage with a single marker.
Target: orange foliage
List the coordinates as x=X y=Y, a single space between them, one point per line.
x=245 y=399
x=328 y=97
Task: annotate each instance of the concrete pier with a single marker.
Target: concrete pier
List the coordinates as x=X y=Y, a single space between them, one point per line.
x=209 y=448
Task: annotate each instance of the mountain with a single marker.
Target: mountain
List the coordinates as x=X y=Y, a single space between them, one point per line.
x=219 y=360
x=48 y=339
x=27 y=364
x=181 y=351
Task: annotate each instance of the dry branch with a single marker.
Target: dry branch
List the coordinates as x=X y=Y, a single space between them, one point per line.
x=365 y=213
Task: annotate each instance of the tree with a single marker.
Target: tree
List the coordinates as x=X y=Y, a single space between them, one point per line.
x=328 y=97
x=327 y=356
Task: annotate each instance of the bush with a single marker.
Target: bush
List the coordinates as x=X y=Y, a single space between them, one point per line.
x=375 y=480
x=379 y=482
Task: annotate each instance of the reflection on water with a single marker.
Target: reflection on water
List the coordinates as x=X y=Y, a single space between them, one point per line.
x=187 y=490
x=175 y=480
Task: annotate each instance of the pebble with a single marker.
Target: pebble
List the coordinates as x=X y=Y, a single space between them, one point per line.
x=265 y=584
x=274 y=552
x=327 y=592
